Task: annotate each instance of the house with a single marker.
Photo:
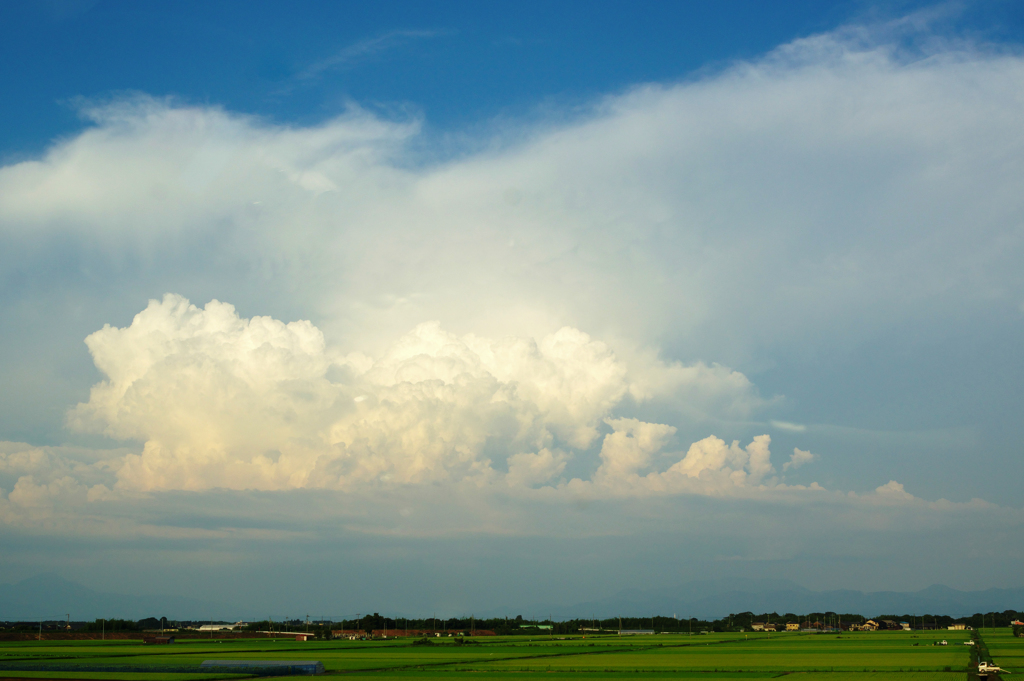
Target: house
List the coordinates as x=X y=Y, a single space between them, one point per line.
x=871 y=625
x=157 y=640
x=957 y=627
x=757 y=626
x=905 y=626
x=792 y=626
x=770 y=627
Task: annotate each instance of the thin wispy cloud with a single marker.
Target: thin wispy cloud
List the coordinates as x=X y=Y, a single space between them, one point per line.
x=363 y=51
x=787 y=426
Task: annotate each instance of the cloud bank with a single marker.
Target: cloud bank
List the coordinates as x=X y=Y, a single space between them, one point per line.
x=565 y=321
x=795 y=193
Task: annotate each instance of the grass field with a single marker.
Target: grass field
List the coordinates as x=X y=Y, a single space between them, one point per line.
x=867 y=656
x=1006 y=651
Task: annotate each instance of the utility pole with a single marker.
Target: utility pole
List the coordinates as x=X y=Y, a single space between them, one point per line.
x=103 y=631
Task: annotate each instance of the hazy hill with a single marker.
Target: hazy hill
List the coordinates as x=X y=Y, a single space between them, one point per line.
x=50 y=597
x=714 y=599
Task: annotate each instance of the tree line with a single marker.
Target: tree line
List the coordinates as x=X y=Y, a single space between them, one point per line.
x=506 y=626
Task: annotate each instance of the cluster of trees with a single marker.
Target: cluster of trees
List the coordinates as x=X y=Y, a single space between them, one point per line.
x=114 y=625
x=975 y=621
x=47 y=625
x=111 y=625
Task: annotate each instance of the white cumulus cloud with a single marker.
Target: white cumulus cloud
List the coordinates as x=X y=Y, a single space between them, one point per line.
x=799 y=458
x=223 y=401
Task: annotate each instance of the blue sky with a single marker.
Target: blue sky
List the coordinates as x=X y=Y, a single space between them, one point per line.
x=735 y=286
x=459 y=63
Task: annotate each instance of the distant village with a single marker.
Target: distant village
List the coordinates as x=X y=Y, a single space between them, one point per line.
x=867 y=625
x=377 y=626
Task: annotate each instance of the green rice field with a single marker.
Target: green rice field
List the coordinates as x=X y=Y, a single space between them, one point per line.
x=860 y=656
x=1005 y=650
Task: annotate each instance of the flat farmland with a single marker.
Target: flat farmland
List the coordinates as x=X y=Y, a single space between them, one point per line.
x=874 y=656
x=873 y=652
x=1006 y=650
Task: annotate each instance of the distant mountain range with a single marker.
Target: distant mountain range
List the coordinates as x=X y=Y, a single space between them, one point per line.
x=51 y=597
x=716 y=599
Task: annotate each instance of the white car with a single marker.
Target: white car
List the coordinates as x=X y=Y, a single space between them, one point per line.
x=986 y=668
